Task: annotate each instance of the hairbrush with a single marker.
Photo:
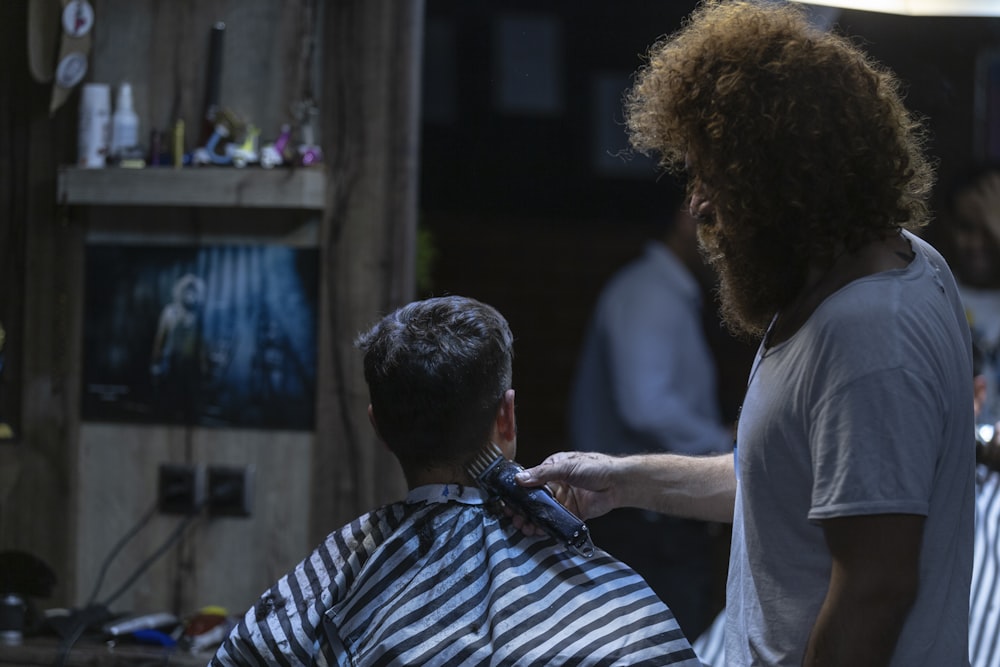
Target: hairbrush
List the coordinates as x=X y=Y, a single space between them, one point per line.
x=494 y=473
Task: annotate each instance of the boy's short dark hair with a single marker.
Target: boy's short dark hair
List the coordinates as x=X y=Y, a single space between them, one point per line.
x=437 y=371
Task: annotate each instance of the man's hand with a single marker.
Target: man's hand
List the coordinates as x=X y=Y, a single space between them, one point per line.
x=579 y=480
x=591 y=484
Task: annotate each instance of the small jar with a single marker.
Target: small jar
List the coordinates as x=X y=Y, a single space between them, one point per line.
x=12 y=611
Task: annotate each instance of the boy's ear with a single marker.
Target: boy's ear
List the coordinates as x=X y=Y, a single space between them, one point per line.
x=506 y=423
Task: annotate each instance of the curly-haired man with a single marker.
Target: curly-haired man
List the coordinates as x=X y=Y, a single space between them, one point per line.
x=851 y=491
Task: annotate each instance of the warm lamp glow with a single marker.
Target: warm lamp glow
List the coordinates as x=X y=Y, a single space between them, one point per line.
x=917 y=7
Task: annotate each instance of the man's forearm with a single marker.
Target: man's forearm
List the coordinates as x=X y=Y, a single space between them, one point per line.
x=692 y=487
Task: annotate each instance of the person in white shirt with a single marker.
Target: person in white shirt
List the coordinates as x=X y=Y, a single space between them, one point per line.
x=646 y=381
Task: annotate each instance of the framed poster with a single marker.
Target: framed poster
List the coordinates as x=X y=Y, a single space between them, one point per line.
x=207 y=335
x=987 y=109
x=528 y=75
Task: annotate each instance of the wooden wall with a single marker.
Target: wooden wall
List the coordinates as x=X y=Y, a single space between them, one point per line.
x=162 y=50
x=76 y=487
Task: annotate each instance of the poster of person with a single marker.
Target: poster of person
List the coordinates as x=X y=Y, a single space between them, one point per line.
x=207 y=335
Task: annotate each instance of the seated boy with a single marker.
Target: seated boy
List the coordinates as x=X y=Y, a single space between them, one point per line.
x=442 y=578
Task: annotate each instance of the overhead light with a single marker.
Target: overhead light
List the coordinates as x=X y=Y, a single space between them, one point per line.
x=917 y=7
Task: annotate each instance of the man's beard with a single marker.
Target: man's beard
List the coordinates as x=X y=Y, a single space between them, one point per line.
x=757 y=276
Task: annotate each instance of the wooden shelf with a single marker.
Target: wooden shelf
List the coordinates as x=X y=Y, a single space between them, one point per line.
x=253 y=187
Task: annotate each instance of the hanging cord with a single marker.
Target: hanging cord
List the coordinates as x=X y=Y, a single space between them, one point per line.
x=146 y=564
x=132 y=532
x=94 y=613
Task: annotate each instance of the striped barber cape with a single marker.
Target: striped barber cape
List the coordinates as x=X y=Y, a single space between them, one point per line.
x=440 y=579
x=984 y=604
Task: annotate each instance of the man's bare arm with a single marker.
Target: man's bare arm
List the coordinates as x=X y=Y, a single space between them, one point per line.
x=591 y=484
x=873 y=584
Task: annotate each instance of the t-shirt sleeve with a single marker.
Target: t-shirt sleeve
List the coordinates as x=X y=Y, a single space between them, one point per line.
x=874 y=445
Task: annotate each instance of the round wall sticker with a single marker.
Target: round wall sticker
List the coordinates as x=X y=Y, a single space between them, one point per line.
x=71 y=69
x=77 y=18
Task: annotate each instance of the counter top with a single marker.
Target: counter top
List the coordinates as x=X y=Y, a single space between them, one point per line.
x=90 y=653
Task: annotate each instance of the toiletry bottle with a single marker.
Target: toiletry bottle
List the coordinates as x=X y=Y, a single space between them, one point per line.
x=124 y=123
x=95 y=126
x=207 y=629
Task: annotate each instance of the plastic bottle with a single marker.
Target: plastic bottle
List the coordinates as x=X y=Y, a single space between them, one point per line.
x=206 y=629
x=12 y=609
x=95 y=128
x=124 y=123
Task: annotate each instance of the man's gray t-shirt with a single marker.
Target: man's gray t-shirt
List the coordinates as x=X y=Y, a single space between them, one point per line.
x=867 y=409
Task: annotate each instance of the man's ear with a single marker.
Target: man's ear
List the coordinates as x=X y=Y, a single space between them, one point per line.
x=506 y=423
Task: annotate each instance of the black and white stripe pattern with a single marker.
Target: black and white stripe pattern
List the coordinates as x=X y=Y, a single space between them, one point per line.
x=710 y=646
x=434 y=583
x=984 y=610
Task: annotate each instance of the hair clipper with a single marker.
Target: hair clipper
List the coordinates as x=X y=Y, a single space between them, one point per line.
x=495 y=474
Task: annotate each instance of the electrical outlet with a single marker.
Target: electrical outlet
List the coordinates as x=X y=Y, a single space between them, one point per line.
x=230 y=490
x=181 y=488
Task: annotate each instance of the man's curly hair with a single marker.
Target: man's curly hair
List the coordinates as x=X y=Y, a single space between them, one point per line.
x=795 y=133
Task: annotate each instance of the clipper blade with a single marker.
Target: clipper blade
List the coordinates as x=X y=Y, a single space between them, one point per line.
x=487 y=457
x=495 y=475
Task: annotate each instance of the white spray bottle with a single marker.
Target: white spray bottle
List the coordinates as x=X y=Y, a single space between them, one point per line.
x=124 y=123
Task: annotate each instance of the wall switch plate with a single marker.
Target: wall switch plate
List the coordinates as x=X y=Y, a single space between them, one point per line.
x=230 y=490
x=181 y=488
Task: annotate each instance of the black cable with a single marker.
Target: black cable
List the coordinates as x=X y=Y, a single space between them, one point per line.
x=89 y=608
x=93 y=612
x=82 y=622
x=132 y=532
x=145 y=565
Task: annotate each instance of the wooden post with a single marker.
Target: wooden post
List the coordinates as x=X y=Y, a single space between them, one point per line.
x=369 y=108
x=40 y=264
